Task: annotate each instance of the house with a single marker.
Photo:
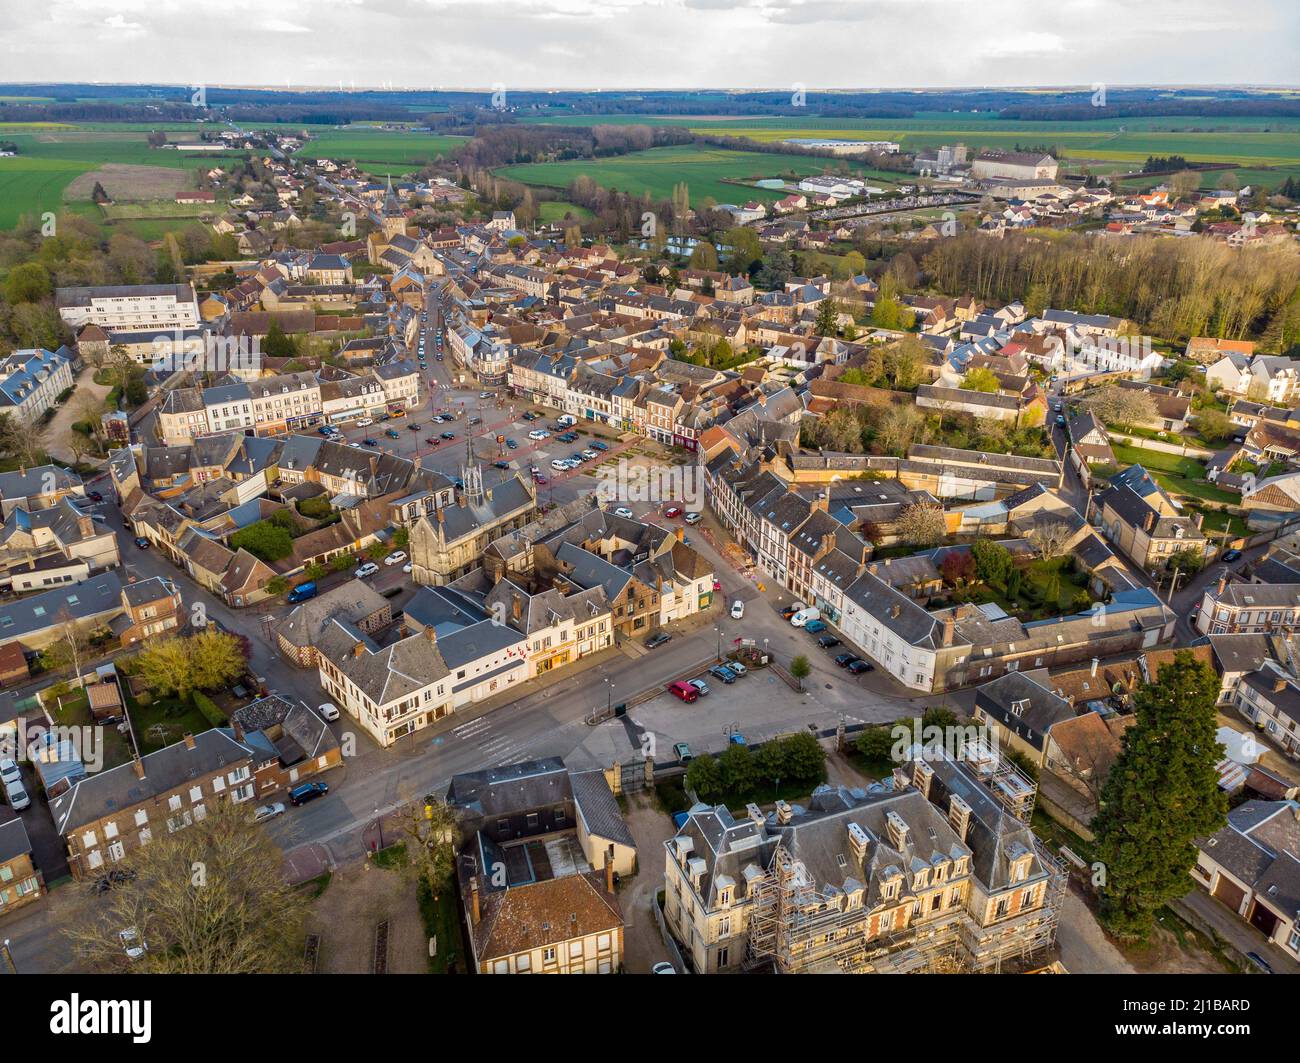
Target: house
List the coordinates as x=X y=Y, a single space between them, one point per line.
x=32 y=380
x=1024 y=710
x=1252 y=866
x=20 y=881
x=354 y=602
x=939 y=865
x=1270 y=699
x=1248 y=608
x=289 y=742
x=1013 y=165
x=130 y=307
x=38 y=620
x=1208 y=349
x=104 y=815
x=1144 y=523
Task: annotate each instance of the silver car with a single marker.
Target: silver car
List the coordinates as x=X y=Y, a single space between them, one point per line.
x=265 y=812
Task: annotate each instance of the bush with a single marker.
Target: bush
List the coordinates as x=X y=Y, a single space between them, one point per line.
x=208 y=708
x=315 y=508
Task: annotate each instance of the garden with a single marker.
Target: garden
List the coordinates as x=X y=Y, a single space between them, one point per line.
x=786 y=768
x=1031 y=589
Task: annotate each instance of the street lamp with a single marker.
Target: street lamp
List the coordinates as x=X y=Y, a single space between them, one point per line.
x=379 y=820
x=609 y=695
x=719 y=631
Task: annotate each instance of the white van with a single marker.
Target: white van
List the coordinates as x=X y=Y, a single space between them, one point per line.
x=566 y=420
x=804 y=615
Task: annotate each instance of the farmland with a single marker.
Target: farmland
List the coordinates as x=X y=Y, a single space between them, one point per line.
x=50 y=159
x=379 y=151
x=705 y=170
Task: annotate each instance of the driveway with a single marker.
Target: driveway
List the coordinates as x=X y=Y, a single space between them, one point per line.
x=643 y=946
x=54 y=435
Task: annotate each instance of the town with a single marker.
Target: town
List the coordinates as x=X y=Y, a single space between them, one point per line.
x=475 y=580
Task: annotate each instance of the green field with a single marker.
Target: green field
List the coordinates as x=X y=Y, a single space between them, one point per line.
x=555 y=211
x=379 y=150
x=50 y=159
x=1177 y=475
x=705 y=170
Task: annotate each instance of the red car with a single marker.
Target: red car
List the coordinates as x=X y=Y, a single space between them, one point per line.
x=673 y=511
x=717 y=584
x=540 y=481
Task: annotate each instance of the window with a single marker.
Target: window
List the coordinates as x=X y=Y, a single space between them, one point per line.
x=523 y=964
x=548 y=954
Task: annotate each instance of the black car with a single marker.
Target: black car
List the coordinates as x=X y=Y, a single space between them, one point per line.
x=657 y=640
x=1230 y=556
x=368 y=441
x=415 y=426
x=115 y=877
x=827 y=641
x=858 y=667
x=448 y=435
x=501 y=465
x=511 y=444
x=476 y=420
x=845 y=659
x=94 y=496
x=308 y=791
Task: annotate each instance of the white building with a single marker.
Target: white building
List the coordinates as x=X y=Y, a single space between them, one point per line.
x=130 y=307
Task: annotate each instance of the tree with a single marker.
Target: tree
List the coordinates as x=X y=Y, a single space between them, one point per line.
x=898 y=428
x=207 y=661
x=958 y=568
x=1123 y=407
x=277 y=344
x=800 y=669
x=745 y=249
x=206 y=899
x=71 y=649
x=827 y=320
x=27 y=283
x=1187 y=561
x=1213 y=424
x=264 y=540
x=704 y=257
x=704 y=777
x=1161 y=795
x=922 y=524
x=276 y=586
x=902 y=361
x=981 y=379
x=876 y=744
x=1050 y=538
x=737 y=768
x=992 y=560
x=1183 y=185
x=429 y=825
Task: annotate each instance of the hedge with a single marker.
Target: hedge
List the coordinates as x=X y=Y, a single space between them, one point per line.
x=209 y=709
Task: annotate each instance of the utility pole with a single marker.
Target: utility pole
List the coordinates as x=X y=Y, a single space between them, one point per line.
x=1173 y=585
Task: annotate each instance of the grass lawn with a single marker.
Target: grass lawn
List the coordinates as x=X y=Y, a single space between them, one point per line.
x=74 y=711
x=556 y=211
x=164 y=721
x=1177 y=475
x=442 y=923
x=394 y=856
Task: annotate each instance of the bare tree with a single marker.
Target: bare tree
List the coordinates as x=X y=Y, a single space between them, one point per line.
x=1123 y=407
x=429 y=825
x=71 y=649
x=921 y=524
x=1050 y=538
x=209 y=898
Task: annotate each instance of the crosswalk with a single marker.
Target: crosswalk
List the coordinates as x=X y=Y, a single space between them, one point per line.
x=495 y=750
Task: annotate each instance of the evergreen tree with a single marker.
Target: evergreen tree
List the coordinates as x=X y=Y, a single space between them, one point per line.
x=1162 y=794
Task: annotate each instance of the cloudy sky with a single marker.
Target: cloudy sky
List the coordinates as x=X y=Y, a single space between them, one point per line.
x=730 y=44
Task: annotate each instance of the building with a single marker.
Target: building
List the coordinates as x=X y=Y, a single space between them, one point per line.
x=942 y=867
x=354 y=602
x=1270 y=699
x=1141 y=520
x=1252 y=866
x=32 y=380
x=130 y=307
x=20 y=881
x=1249 y=608
x=1013 y=165
x=539 y=848
x=104 y=815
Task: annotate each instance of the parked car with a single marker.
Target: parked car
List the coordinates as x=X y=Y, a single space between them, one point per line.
x=9 y=771
x=737 y=610
x=827 y=641
x=264 y=812
x=657 y=640
x=393 y=433
x=1260 y=962
x=142 y=542
x=683 y=753
x=365 y=422
x=717 y=585
x=596 y=444
x=539 y=480
x=1060 y=420
x=843 y=659
x=501 y=465
x=701 y=686
x=559 y=465
x=721 y=671
x=485 y=394
x=447 y=435
x=673 y=512
x=1229 y=556
x=308 y=791
x=738 y=739
x=693 y=518
x=789 y=610
x=860 y=666
x=804 y=615
x=623 y=511
x=94 y=496
x=814 y=626
x=367 y=570
x=329 y=711
x=663 y=967
x=511 y=444
x=407 y=568
x=539 y=433
x=303 y=592
x=415 y=426
x=16 y=795
x=684 y=691
x=355 y=446
x=737 y=668
x=395 y=558
x=368 y=441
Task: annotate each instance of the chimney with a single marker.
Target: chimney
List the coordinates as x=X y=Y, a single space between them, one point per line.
x=137 y=766
x=239 y=731
x=516 y=607
x=189 y=741
x=474 y=911
x=1094 y=666
x=1279 y=684
x=783 y=812
x=1150 y=522
x=1223 y=583
x=430 y=634
x=358 y=649
x=609 y=869
x=873 y=568
x=681 y=534
x=949 y=626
